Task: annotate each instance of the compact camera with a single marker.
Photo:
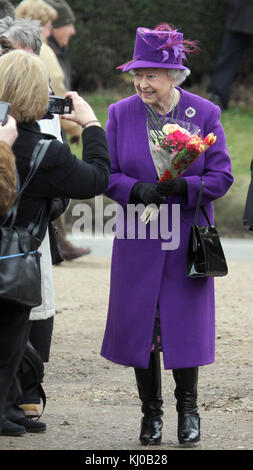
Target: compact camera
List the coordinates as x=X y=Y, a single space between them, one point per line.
x=4 y=111
x=60 y=105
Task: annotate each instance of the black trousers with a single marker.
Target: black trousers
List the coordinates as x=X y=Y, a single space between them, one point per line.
x=14 y=320
x=232 y=49
x=40 y=335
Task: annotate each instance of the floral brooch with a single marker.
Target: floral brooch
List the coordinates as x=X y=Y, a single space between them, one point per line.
x=190 y=112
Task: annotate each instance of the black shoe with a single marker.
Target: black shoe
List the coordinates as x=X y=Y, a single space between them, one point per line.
x=188 y=431
x=30 y=425
x=188 y=428
x=12 y=429
x=151 y=431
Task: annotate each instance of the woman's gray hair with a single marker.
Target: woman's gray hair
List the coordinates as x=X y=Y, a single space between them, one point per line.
x=24 y=32
x=179 y=75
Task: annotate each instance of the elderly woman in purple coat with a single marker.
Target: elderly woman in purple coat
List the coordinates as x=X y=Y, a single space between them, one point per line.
x=153 y=305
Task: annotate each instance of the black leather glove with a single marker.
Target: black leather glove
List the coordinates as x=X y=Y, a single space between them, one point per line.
x=175 y=186
x=146 y=193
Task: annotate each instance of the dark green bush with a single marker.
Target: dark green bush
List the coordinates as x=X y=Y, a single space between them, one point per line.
x=106 y=33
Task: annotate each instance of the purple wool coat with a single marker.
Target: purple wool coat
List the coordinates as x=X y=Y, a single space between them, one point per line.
x=143 y=275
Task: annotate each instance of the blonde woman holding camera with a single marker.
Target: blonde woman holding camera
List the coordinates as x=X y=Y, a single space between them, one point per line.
x=24 y=84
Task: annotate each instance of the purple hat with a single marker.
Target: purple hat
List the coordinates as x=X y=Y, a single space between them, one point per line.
x=157 y=48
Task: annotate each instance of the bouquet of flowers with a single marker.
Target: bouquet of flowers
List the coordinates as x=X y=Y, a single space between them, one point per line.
x=174 y=149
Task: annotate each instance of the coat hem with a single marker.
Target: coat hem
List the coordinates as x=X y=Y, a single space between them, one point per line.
x=181 y=366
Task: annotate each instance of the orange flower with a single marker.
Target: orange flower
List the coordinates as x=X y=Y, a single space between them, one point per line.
x=195 y=144
x=210 y=139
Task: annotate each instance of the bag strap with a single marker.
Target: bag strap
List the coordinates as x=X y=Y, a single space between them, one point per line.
x=36 y=159
x=199 y=205
x=44 y=399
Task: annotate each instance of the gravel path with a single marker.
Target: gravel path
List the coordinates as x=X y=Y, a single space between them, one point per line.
x=92 y=404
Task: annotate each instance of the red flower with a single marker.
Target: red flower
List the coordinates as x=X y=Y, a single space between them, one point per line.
x=210 y=139
x=166 y=176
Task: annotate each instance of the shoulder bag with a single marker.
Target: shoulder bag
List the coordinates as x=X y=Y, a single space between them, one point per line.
x=20 y=276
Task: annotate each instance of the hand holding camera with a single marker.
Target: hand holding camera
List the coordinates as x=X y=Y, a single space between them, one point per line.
x=82 y=112
x=8 y=126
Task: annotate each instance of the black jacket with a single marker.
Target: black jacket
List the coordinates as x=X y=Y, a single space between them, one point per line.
x=61 y=174
x=240 y=16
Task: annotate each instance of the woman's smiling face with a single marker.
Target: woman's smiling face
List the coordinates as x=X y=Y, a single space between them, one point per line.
x=153 y=85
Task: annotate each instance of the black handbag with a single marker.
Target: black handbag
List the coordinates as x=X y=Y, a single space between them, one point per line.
x=205 y=254
x=20 y=276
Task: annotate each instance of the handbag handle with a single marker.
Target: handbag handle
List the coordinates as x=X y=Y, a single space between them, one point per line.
x=36 y=159
x=199 y=205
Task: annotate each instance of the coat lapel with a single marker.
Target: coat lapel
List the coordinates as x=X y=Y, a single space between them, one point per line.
x=142 y=158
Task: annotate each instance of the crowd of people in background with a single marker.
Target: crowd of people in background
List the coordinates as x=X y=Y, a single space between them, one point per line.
x=153 y=306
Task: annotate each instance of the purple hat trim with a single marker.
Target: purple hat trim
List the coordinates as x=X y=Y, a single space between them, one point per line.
x=155 y=48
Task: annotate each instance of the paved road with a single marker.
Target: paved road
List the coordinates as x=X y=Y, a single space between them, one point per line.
x=236 y=249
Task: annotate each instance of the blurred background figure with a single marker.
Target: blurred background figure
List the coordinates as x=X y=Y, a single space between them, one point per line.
x=46 y=14
x=56 y=19
x=6 y=9
x=236 y=39
x=62 y=31
x=23 y=34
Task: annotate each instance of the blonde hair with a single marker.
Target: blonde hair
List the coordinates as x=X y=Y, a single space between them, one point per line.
x=24 y=84
x=36 y=10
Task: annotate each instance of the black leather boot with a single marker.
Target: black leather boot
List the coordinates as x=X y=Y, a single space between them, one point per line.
x=186 y=395
x=149 y=388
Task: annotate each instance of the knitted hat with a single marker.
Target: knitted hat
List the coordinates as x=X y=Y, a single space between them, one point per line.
x=65 y=13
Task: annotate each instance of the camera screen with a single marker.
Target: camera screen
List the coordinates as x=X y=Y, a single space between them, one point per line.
x=60 y=105
x=55 y=107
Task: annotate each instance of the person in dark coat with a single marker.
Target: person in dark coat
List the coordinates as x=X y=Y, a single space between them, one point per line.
x=60 y=175
x=153 y=305
x=237 y=38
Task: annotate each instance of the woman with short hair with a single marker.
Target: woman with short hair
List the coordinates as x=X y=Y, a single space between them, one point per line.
x=153 y=305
